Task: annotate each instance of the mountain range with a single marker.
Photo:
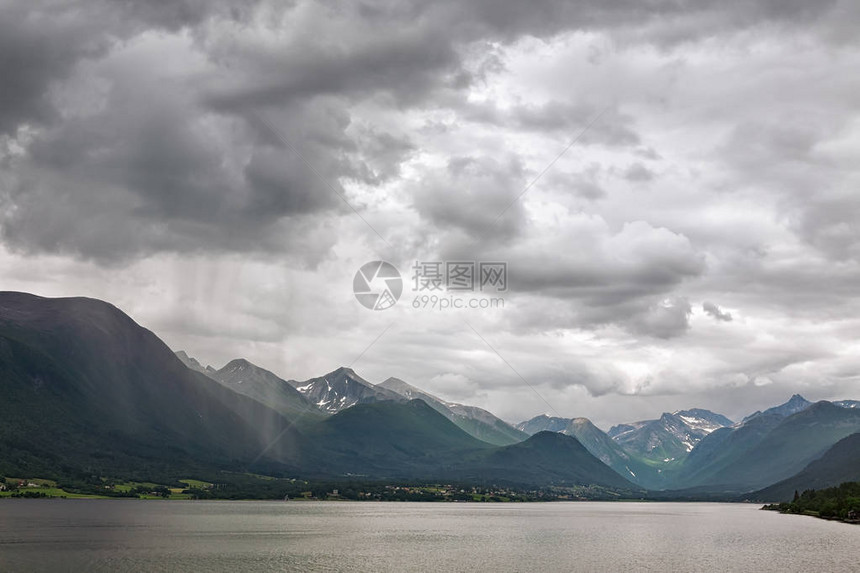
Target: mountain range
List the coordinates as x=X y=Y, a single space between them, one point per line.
x=645 y=452
x=258 y=383
x=343 y=389
x=767 y=448
x=87 y=391
x=669 y=438
x=601 y=446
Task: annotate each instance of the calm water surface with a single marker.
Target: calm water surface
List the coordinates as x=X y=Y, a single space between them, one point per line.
x=110 y=535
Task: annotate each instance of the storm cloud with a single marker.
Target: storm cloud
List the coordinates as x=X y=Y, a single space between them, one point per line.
x=221 y=169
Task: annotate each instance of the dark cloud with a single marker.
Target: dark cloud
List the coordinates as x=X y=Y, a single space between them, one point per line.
x=607 y=268
x=42 y=42
x=39 y=49
x=582 y=275
x=409 y=66
x=716 y=312
x=596 y=379
x=638 y=173
x=829 y=221
x=772 y=151
x=151 y=171
x=476 y=196
x=664 y=21
x=170 y=149
x=666 y=319
x=229 y=131
x=588 y=190
x=586 y=184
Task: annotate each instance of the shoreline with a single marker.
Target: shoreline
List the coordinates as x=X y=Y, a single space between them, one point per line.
x=783 y=511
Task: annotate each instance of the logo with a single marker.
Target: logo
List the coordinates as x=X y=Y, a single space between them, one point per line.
x=377 y=285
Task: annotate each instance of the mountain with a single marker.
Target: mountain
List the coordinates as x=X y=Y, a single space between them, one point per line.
x=342 y=389
x=258 y=383
x=474 y=421
x=601 y=446
x=385 y=439
x=412 y=440
x=795 y=404
x=545 y=458
x=194 y=364
x=544 y=423
x=85 y=389
x=839 y=464
x=669 y=438
x=723 y=448
x=848 y=403
x=767 y=448
x=703 y=420
x=88 y=392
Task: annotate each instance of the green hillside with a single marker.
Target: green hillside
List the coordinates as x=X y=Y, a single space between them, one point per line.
x=85 y=389
x=545 y=458
x=765 y=450
x=383 y=440
x=839 y=464
x=474 y=421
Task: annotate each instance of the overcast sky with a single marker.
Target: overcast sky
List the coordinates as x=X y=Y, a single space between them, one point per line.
x=220 y=171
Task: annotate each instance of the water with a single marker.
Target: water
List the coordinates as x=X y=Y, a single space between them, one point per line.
x=177 y=536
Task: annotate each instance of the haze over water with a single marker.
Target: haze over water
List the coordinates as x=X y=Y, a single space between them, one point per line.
x=95 y=535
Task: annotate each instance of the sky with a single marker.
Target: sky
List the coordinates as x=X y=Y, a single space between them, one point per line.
x=672 y=186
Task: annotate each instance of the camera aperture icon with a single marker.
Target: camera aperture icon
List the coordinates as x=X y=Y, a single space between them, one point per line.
x=377 y=285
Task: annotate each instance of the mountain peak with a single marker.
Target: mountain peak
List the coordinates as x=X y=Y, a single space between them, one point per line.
x=245 y=377
x=192 y=363
x=796 y=402
x=543 y=422
x=346 y=371
x=238 y=363
x=400 y=386
x=551 y=438
x=669 y=438
x=794 y=405
x=342 y=389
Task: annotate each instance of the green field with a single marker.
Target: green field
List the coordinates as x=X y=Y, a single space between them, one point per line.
x=43 y=486
x=48 y=488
